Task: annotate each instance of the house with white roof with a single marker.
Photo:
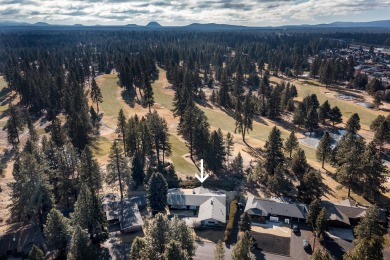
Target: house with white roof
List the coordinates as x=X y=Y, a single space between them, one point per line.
x=209 y=205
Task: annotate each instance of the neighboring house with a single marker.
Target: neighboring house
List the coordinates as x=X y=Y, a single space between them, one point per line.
x=210 y=205
x=130 y=221
x=347 y=213
x=19 y=241
x=262 y=210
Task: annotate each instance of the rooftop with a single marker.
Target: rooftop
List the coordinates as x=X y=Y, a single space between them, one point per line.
x=264 y=207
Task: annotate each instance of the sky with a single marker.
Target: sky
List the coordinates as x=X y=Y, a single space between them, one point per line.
x=183 y=12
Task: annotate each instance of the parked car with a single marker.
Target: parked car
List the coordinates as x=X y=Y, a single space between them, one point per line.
x=306 y=244
x=295 y=229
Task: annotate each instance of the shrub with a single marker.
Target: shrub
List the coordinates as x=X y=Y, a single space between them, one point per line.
x=232 y=215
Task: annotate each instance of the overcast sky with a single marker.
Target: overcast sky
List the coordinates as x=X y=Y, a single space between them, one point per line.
x=183 y=12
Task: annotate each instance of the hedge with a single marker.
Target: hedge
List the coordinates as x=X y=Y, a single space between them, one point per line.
x=232 y=215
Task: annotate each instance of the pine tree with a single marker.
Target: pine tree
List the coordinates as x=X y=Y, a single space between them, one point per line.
x=314 y=211
x=88 y=214
x=311 y=186
x=80 y=246
x=369 y=239
x=311 y=120
x=148 y=98
x=157 y=192
x=324 y=111
x=353 y=124
x=121 y=128
x=36 y=253
x=137 y=170
x=118 y=169
x=273 y=155
x=157 y=236
x=179 y=231
x=245 y=222
x=96 y=94
x=89 y=171
x=30 y=192
x=374 y=86
x=237 y=165
x=382 y=134
x=174 y=251
x=56 y=231
x=216 y=152
x=34 y=137
x=291 y=143
x=369 y=226
x=299 y=163
x=299 y=115
x=13 y=125
x=378 y=97
x=335 y=115
x=348 y=158
x=373 y=172
x=229 y=144
x=367 y=249
x=223 y=97
x=324 y=149
x=242 y=250
x=321 y=222
x=137 y=251
x=57 y=133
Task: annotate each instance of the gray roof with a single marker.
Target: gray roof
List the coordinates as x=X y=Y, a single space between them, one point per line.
x=344 y=213
x=177 y=197
x=25 y=237
x=212 y=209
x=265 y=207
x=334 y=213
x=131 y=215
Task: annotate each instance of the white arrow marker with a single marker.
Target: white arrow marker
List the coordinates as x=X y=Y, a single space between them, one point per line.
x=201 y=178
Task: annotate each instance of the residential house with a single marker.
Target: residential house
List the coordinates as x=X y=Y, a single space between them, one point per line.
x=210 y=205
x=19 y=241
x=347 y=213
x=262 y=210
x=130 y=220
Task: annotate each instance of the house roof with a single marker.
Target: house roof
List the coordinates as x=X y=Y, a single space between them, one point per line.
x=265 y=207
x=212 y=209
x=131 y=215
x=343 y=212
x=177 y=197
x=334 y=213
x=25 y=237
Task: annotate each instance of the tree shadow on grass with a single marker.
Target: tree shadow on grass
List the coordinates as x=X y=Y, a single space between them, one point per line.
x=129 y=97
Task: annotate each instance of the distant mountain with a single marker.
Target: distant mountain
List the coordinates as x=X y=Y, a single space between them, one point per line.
x=384 y=23
x=153 y=24
x=41 y=24
x=78 y=25
x=215 y=26
x=202 y=26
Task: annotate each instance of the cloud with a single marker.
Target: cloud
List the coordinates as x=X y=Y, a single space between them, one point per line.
x=170 y=12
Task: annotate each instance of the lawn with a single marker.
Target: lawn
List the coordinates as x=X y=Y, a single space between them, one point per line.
x=109 y=88
x=181 y=165
x=347 y=107
x=209 y=235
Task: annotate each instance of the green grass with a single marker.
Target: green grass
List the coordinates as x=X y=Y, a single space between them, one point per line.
x=160 y=97
x=110 y=104
x=181 y=165
x=104 y=146
x=347 y=108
